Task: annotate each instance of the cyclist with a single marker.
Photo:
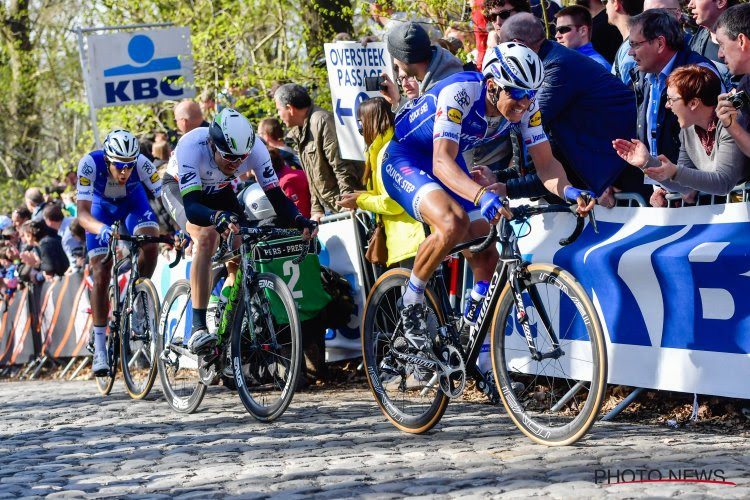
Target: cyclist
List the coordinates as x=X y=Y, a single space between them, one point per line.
x=110 y=188
x=199 y=194
x=424 y=171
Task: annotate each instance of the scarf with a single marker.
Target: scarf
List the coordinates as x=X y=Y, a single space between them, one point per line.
x=708 y=136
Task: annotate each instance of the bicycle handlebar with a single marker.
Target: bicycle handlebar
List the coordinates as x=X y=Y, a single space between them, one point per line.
x=138 y=240
x=260 y=234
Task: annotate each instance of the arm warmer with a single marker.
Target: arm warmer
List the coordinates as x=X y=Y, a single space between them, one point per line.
x=528 y=186
x=196 y=212
x=285 y=208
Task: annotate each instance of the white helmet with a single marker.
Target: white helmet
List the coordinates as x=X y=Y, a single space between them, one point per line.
x=121 y=145
x=513 y=64
x=232 y=133
x=257 y=205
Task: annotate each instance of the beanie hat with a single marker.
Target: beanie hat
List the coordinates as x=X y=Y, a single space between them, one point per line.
x=409 y=43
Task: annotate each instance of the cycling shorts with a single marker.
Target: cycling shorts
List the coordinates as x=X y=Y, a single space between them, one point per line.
x=407 y=182
x=225 y=200
x=134 y=210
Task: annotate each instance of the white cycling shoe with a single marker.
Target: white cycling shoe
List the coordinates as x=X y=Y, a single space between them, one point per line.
x=101 y=364
x=202 y=341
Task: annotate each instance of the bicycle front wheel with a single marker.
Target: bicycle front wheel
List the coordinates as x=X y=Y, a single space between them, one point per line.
x=178 y=370
x=104 y=384
x=266 y=348
x=555 y=396
x=137 y=330
x=407 y=393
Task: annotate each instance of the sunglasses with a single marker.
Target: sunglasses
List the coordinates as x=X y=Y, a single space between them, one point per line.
x=518 y=94
x=503 y=14
x=231 y=158
x=359 y=127
x=567 y=29
x=123 y=165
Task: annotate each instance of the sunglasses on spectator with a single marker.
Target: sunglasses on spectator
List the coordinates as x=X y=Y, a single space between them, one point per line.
x=123 y=165
x=503 y=14
x=231 y=158
x=518 y=94
x=567 y=28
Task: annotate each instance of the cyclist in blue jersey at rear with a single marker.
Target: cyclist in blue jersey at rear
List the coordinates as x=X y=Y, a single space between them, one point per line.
x=110 y=188
x=424 y=171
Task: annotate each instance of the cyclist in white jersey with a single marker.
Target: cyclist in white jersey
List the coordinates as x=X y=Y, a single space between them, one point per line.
x=199 y=194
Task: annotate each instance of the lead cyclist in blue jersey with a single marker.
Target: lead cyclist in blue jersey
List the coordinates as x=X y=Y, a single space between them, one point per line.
x=110 y=188
x=423 y=169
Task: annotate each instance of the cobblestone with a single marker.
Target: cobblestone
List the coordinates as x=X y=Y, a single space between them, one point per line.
x=60 y=440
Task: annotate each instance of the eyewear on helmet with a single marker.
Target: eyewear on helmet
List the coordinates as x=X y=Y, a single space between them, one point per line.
x=518 y=94
x=503 y=14
x=231 y=158
x=122 y=165
x=567 y=28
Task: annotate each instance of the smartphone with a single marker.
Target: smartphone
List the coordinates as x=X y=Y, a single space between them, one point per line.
x=375 y=83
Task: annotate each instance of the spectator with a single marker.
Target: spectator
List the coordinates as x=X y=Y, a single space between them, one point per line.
x=188 y=116
x=34 y=200
x=480 y=29
x=19 y=216
x=69 y=203
x=413 y=55
x=71 y=178
x=709 y=160
x=578 y=102
x=403 y=233
x=314 y=133
x=79 y=234
x=574 y=32
x=605 y=37
x=161 y=151
x=496 y=12
x=49 y=249
x=269 y=129
x=657 y=45
x=733 y=34
x=293 y=182
x=54 y=219
x=619 y=13
x=705 y=13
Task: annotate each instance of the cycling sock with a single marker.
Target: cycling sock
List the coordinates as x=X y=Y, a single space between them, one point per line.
x=100 y=338
x=415 y=291
x=199 y=320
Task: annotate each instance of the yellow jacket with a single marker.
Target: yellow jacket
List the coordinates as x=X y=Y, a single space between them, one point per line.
x=403 y=234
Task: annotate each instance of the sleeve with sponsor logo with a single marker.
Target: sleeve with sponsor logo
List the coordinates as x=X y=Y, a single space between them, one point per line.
x=86 y=177
x=188 y=161
x=260 y=162
x=531 y=126
x=148 y=175
x=453 y=104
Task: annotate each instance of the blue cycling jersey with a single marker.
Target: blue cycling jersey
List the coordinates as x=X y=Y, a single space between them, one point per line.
x=454 y=109
x=94 y=180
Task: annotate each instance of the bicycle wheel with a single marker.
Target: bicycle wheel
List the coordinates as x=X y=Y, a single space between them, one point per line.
x=408 y=394
x=137 y=329
x=104 y=384
x=553 y=400
x=266 y=348
x=178 y=371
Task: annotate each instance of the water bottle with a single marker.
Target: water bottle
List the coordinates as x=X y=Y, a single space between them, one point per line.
x=474 y=302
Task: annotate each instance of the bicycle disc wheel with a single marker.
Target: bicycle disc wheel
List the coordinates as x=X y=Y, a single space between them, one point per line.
x=178 y=371
x=266 y=348
x=408 y=394
x=553 y=400
x=104 y=384
x=136 y=334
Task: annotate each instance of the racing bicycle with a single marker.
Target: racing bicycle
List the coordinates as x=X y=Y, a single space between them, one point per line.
x=133 y=315
x=548 y=351
x=259 y=335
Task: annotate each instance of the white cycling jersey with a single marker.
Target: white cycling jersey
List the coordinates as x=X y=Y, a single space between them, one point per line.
x=192 y=165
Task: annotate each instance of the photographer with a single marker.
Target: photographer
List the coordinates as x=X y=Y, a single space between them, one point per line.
x=733 y=35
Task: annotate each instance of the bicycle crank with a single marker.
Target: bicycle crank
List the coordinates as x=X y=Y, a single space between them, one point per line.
x=452 y=372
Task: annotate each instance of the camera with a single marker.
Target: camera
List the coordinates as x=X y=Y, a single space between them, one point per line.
x=374 y=83
x=740 y=99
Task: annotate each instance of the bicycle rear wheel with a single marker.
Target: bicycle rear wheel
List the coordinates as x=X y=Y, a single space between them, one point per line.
x=266 y=348
x=554 y=400
x=137 y=329
x=407 y=393
x=178 y=370
x=104 y=384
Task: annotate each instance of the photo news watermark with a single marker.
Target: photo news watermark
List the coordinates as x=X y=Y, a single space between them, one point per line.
x=628 y=476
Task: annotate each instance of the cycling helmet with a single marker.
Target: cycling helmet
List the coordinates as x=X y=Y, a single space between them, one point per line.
x=121 y=145
x=513 y=64
x=232 y=133
x=257 y=205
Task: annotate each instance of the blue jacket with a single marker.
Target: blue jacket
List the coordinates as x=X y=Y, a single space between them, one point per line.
x=584 y=108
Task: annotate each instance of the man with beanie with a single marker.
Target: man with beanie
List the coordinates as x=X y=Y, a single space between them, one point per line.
x=414 y=55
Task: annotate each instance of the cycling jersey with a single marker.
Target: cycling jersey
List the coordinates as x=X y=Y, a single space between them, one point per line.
x=454 y=110
x=94 y=180
x=192 y=165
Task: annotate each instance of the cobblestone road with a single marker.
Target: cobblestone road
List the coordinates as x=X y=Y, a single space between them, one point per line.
x=62 y=439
